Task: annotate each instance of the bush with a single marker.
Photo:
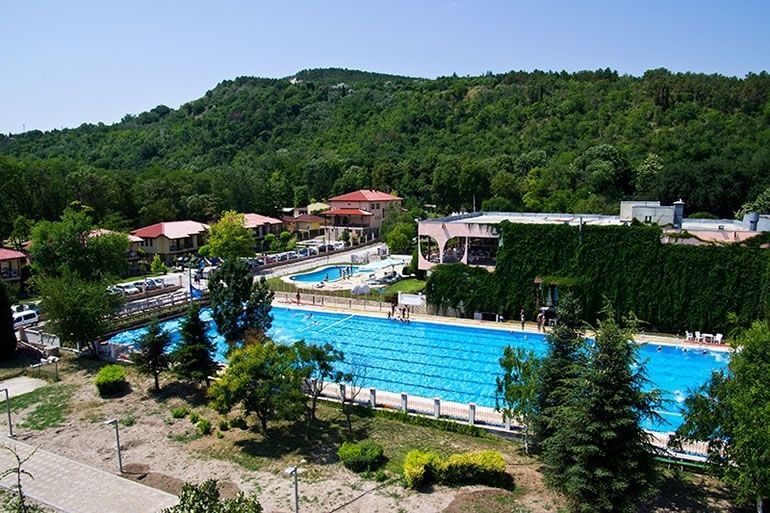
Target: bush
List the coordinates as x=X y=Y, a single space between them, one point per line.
x=179 y=412
x=110 y=380
x=483 y=467
x=194 y=417
x=239 y=422
x=224 y=425
x=420 y=468
x=363 y=456
x=204 y=427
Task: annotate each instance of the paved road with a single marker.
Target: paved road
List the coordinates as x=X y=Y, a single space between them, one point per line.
x=71 y=487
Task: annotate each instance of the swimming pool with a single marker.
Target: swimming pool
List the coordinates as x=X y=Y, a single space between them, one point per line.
x=456 y=363
x=331 y=273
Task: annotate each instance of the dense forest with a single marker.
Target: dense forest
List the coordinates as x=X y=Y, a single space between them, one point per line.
x=536 y=141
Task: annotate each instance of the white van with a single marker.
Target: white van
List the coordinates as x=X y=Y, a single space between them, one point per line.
x=25 y=318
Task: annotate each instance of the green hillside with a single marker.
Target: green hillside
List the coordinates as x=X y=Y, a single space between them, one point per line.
x=519 y=140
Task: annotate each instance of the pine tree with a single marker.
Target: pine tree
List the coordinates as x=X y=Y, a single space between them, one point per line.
x=7 y=333
x=194 y=356
x=599 y=456
x=152 y=352
x=560 y=366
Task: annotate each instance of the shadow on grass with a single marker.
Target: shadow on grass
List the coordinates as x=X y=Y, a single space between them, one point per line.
x=317 y=444
x=188 y=392
x=681 y=494
x=16 y=366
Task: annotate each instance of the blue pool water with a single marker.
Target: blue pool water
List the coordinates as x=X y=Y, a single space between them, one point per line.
x=452 y=362
x=332 y=273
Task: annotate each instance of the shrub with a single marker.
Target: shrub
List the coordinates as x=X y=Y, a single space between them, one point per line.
x=110 y=380
x=204 y=427
x=194 y=417
x=483 y=467
x=361 y=456
x=380 y=476
x=420 y=468
x=179 y=412
x=224 y=425
x=239 y=422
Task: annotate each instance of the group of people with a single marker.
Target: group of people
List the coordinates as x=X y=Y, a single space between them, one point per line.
x=403 y=313
x=541 y=320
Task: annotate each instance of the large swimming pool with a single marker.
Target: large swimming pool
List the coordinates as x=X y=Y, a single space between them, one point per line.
x=456 y=363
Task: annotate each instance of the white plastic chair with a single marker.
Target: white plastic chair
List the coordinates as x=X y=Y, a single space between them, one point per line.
x=718 y=338
x=698 y=336
x=688 y=336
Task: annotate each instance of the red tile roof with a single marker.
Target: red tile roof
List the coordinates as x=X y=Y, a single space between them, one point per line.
x=366 y=195
x=255 y=220
x=172 y=230
x=104 y=231
x=11 y=254
x=346 y=212
x=308 y=218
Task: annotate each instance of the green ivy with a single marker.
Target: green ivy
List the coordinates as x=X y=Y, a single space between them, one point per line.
x=671 y=287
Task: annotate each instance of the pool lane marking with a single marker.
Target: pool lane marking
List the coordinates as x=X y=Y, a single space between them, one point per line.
x=336 y=323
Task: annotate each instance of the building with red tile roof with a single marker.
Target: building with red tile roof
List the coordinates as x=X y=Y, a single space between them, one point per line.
x=11 y=262
x=360 y=213
x=173 y=239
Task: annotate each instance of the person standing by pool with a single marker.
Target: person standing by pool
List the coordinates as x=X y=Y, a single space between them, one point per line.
x=298 y=297
x=523 y=317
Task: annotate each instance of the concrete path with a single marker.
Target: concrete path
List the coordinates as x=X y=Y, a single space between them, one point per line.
x=71 y=487
x=22 y=385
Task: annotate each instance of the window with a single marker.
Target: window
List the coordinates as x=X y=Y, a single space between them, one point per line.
x=647 y=219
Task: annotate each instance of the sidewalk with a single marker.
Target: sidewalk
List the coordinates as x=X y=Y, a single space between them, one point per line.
x=71 y=487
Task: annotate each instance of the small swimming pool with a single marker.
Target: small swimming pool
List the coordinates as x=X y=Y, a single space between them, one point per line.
x=456 y=363
x=332 y=273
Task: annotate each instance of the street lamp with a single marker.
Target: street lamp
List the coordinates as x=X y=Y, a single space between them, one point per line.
x=294 y=471
x=8 y=409
x=117 y=441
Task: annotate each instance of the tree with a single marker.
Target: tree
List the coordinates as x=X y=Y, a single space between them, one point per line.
x=269 y=242
x=647 y=176
x=19 y=503
x=8 y=340
x=516 y=392
x=599 y=456
x=345 y=236
x=151 y=356
x=318 y=364
x=760 y=204
x=193 y=358
x=72 y=244
x=229 y=237
x=238 y=303
x=22 y=227
x=284 y=239
x=262 y=379
x=77 y=310
x=157 y=266
x=560 y=367
x=400 y=238
x=204 y=498
x=732 y=413
x=301 y=196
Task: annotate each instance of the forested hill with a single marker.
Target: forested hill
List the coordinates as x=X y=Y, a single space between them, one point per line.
x=530 y=141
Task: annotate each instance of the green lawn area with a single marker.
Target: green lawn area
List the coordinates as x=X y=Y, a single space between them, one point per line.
x=408 y=286
x=48 y=406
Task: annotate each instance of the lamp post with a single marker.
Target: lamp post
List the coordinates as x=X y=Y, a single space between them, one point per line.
x=294 y=471
x=117 y=442
x=8 y=410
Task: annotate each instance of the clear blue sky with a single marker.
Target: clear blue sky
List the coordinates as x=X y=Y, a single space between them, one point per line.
x=65 y=63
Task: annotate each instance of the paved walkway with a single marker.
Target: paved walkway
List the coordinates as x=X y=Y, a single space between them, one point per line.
x=71 y=487
x=21 y=385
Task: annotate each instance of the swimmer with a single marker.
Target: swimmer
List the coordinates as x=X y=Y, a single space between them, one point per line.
x=660 y=348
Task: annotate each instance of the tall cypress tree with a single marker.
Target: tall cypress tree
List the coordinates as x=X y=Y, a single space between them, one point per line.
x=560 y=366
x=152 y=356
x=7 y=333
x=598 y=455
x=194 y=356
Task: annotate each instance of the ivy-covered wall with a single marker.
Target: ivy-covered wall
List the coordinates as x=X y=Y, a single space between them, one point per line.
x=672 y=287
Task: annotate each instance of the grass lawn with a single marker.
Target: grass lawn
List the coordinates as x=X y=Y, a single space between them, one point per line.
x=407 y=286
x=47 y=406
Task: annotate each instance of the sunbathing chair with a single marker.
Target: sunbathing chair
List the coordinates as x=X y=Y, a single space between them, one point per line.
x=718 y=338
x=688 y=336
x=698 y=337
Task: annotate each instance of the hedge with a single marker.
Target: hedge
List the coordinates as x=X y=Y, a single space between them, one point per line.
x=672 y=287
x=110 y=380
x=483 y=467
x=364 y=456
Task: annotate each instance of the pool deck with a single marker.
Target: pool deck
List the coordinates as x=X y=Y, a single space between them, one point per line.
x=347 y=283
x=509 y=326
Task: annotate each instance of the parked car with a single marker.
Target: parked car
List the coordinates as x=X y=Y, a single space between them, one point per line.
x=117 y=291
x=128 y=289
x=140 y=285
x=291 y=255
x=149 y=284
x=160 y=282
x=282 y=257
x=25 y=318
x=271 y=259
x=303 y=252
